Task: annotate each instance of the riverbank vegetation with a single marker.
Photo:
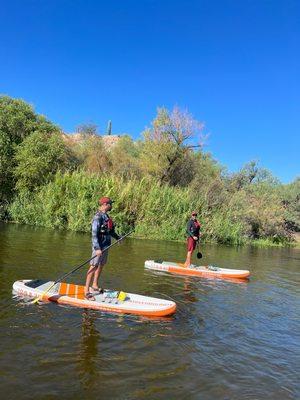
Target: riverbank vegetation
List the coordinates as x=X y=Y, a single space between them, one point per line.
x=50 y=180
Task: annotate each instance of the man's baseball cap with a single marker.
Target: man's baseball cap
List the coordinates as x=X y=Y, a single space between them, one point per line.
x=105 y=200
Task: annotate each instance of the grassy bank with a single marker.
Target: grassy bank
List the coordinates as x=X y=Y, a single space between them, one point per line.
x=70 y=200
x=155 y=212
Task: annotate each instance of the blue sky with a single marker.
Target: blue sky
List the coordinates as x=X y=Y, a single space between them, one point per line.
x=233 y=64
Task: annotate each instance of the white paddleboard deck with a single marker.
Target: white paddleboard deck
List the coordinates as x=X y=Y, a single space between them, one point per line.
x=71 y=294
x=194 y=270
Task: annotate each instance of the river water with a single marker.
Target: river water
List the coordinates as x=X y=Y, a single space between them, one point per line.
x=226 y=341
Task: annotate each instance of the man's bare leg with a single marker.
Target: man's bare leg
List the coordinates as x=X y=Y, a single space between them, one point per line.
x=188 y=260
x=89 y=277
x=96 y=277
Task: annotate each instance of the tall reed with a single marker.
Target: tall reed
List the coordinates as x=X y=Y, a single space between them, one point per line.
x=157 y=212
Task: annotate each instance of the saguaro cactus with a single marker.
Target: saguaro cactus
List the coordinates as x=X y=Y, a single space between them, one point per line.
x=109 y=128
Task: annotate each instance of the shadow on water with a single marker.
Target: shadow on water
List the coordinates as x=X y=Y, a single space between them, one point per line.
x=228 y=340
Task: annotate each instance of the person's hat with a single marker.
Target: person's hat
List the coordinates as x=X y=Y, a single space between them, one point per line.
x=105 y=200
x=194 y=212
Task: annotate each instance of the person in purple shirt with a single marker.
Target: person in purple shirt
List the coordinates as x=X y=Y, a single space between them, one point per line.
x=102 y=230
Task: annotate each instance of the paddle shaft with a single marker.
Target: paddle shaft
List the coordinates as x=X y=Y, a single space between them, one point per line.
x=78 y=267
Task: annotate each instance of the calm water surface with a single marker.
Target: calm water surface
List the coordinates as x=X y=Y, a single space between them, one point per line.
x=227 y=340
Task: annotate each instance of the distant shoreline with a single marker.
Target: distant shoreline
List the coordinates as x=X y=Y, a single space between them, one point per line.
x=249 y=242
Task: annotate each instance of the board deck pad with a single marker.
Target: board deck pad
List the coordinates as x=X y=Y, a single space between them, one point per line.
x=71 y=290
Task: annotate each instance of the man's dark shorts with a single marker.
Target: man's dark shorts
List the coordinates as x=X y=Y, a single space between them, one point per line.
x=99 y=260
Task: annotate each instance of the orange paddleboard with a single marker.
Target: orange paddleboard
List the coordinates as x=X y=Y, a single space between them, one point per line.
x=204 y=271
x=109 y=301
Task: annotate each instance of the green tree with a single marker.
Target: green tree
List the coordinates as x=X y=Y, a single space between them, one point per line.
x=38 y=158
x=167 y=152
x=92 y=154
x=290 y=195
x=251 y=173
x=124 y=157
x=6 y=167
x=259 y=208
x=17 y=121
x=208 y=184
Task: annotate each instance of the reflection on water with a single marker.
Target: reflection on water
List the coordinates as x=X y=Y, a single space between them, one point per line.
x=228 y=340
x=88 y=350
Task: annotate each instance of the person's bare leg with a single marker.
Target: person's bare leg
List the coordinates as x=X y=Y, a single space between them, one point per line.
x=96 y=277
x=188 y=260
x=89 y=277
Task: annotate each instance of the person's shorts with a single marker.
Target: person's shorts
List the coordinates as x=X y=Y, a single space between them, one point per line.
x=99 y=260
x=191 y=244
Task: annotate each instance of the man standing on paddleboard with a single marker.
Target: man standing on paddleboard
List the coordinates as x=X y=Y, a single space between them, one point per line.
x=193 y=231
x=102 y=231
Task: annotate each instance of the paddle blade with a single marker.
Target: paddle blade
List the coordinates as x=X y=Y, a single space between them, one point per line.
x=199 y=255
